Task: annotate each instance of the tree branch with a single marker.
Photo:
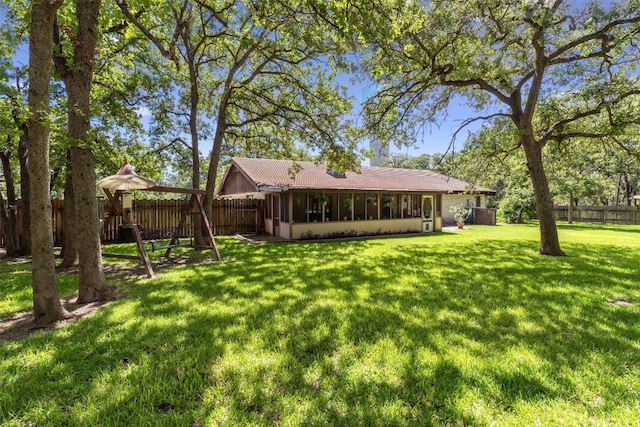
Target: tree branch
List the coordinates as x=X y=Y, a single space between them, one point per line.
x=467 y=122
x=59 y=60
x=169 y=52
x=600 y=34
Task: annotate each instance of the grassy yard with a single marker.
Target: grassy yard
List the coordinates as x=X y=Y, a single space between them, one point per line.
x=464 y=328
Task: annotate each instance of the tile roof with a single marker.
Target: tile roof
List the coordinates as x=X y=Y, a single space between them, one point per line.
x=275 y=174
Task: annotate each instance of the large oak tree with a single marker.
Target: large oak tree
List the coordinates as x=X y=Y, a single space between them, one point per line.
x=507 y=59
x=76 y=72
x=46 y=302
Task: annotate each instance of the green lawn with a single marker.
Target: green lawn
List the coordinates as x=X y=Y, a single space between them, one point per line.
x=456 y=328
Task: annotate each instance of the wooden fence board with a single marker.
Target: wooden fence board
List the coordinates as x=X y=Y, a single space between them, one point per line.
x=229 y=217
x=484 y=216
x=623 y=215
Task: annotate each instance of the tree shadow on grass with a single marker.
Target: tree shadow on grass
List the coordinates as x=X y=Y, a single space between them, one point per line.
x=332 y=333
x=599 y=226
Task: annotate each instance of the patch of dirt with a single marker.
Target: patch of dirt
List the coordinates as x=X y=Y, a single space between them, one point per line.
x=620 y=302
x=21 y=325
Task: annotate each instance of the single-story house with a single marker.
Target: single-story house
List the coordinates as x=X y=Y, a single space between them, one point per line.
x=307 y=200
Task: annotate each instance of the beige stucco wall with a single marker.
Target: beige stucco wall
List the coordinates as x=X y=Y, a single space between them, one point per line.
x=360 y=227
x=449 y=200
x=285 y=230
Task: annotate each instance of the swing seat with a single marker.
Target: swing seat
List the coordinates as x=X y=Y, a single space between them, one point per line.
x=153 y=236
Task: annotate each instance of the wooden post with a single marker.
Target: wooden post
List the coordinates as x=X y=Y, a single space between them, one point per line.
x=207 y=225
x=141 y=250
x=183 y=217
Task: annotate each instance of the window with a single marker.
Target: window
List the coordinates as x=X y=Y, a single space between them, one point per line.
x=359 y=206
x=315 y=208
x=478 y=201
x=299 y=207
x=372 y=206
x=416 y=205
x=407 y=206
x=284 y=207
x=397 y=206
x=331 y=207
x=268 y=200
x=438 y=205
x=345 y=206
x=386 y=210
x=427 y=207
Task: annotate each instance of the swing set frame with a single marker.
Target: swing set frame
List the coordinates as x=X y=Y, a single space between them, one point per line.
x=194 y=208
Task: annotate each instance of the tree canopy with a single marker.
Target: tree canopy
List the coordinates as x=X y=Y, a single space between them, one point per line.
x=550 y=67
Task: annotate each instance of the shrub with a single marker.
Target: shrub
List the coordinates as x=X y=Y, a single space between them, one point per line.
x=460 y=213
x=517 y=206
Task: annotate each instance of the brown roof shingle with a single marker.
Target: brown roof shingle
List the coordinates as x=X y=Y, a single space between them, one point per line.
x=274 y=174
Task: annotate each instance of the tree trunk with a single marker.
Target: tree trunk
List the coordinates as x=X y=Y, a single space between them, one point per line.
x=70 y=255
x=9 y=214
x=25 y=182
x=221 y=128
x=46 y=301
x=9 y=228
x=570 y=212
x=198 y=233
x=627 y=190
x=92 y=285
x=549 y=242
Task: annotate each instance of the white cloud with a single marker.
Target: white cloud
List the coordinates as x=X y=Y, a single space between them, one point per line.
x=143 y=112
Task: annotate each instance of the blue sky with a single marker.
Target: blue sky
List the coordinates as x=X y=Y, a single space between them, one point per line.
x=436 y=137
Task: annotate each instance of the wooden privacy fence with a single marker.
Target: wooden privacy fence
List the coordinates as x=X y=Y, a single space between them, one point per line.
x=229 y=217
x=484 y=216
x=623 y=215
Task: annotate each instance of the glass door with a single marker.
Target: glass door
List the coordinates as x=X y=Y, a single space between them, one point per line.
x=427 y=214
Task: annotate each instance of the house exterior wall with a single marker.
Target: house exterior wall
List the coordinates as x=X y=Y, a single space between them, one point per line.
x=449 y=200
x=368 y=227
x=236 y=183
x=285 y=230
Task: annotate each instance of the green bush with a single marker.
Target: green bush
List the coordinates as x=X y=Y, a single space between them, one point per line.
x=517 y=206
